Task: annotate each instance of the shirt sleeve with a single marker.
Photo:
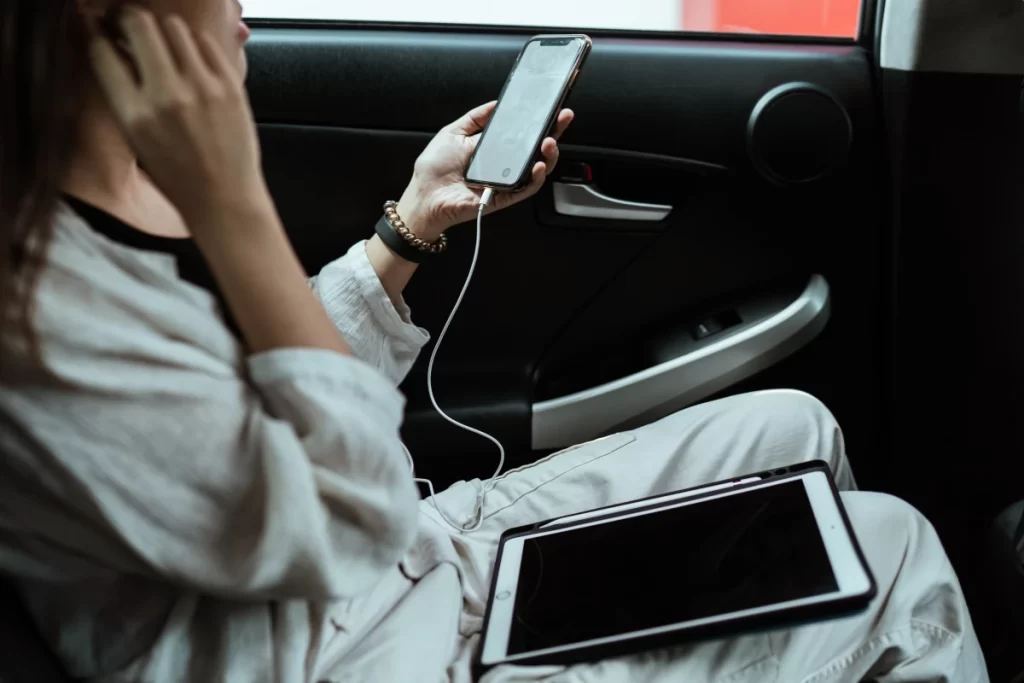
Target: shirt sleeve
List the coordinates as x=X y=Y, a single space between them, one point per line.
x=172 y=455
x=379 y=331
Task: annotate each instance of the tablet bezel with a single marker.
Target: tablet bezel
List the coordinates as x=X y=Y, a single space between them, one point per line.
x=852 y=577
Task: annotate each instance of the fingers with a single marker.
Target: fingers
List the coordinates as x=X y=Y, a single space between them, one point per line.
x=168 y=67
x=549 y=150
x=541 y=170
x=183 y=48
x=473 y=121
x=166 y=48
x=214 y=57
x=147 y=44
x=565 y=118
x=115 y=77
x=506 y=199
x=537 y=178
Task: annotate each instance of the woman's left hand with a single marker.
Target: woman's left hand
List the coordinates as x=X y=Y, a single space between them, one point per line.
x=438 y=197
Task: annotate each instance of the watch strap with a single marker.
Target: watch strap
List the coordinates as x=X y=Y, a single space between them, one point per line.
x=397 y=243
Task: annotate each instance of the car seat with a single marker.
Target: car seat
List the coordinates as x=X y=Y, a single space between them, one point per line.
x=24 y=655
x=1004 y=579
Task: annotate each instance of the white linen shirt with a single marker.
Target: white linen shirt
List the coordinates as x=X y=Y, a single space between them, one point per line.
x=174 y=510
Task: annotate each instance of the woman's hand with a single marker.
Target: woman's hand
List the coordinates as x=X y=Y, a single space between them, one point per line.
x=438 y=197
x=184 y=111
x=188 y=119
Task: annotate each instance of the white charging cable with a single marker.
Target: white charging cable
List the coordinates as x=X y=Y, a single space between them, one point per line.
x=477 y=520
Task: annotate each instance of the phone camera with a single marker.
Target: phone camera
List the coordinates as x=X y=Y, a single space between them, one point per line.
x=506 y=173
x=503 y=595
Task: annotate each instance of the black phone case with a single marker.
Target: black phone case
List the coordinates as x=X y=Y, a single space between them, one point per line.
x=524 y=178
x=787 y=618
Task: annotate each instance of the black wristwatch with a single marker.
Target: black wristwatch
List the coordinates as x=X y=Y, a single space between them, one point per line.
x=399 y=239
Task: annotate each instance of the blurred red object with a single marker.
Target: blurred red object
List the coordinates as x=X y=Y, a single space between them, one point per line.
x=828 y=18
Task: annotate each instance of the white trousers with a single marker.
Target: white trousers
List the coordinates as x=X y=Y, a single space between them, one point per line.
x=917 y=629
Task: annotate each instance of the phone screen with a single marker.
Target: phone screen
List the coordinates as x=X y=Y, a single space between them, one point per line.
x=519 y=122
x=721 y=556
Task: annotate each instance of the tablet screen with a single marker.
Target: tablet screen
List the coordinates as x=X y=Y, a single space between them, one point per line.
x=720 y=556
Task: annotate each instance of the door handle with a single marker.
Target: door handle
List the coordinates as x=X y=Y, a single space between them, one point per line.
x=584 y=201
x=775 y=330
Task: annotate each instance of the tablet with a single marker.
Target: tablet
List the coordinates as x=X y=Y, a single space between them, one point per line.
x=758 y=552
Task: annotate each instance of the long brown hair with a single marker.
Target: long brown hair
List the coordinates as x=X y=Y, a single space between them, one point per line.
x=43 y=67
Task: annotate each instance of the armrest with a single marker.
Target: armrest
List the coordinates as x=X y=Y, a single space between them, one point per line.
x=689 y=370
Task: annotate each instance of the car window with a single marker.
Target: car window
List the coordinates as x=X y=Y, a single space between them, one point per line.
x=824 y=18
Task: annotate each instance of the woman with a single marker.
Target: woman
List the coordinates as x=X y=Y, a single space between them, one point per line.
x=179 y=504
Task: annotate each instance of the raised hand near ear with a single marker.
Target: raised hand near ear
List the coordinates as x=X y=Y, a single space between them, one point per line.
x=185 y=113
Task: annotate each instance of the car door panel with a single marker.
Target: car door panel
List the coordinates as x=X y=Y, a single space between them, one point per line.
x=678 y=367
x=563 y=303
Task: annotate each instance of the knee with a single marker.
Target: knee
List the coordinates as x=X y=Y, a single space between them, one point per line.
x=886 y=528
x=751 y=433
x=793 y=409
x=798 y=427
x=916 y=581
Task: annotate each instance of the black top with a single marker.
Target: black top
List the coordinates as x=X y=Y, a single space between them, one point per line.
x=191 y=264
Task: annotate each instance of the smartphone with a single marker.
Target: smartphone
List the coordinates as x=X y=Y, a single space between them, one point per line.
x=533 y=95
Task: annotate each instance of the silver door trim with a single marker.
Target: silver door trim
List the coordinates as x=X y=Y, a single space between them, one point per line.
x=684 y=380
x=584 y=201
